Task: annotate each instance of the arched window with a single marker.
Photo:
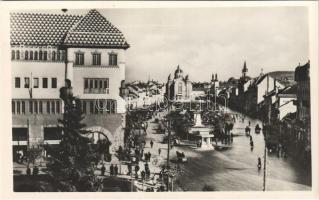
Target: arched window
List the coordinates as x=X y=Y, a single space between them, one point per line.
x=26 y=55
x=62 y=55
x=45 y=55
x=58 y=55
x=13 y=55
x=40 y=55
x=35 y=55
x=17 y=54
x=31 y=55
x=53 y=55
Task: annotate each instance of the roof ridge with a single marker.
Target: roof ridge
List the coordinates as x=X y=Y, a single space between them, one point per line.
x=49 y=14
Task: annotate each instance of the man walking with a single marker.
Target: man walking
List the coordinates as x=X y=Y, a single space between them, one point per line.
x=103 y=170
x=151 y=143
x=159 y=151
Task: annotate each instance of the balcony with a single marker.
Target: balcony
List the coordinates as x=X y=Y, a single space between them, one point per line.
x=96 y=90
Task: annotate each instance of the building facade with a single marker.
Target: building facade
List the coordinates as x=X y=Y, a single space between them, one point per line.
x=47 y=49
x=179 y=88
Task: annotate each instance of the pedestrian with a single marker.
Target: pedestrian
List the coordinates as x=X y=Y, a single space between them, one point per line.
x=129 y=167
x=251 y=138
x=149 y=156
x=28 y=171
x=111 y=170
x=142 y=175
x=35 y=171
x=249 y=122
x=137 y=168
x=151 y=143
x=259 y=163
x=103 y=170
x=159 y=151
x=116 y=170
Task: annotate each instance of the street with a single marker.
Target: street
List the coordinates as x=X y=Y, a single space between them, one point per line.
x=235 y=169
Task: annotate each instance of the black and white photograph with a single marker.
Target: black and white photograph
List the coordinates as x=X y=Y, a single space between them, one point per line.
x=162 y=99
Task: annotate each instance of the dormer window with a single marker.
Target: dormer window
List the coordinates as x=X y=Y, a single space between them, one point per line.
x=35 y=55
x=79 y=58
x=40 y=55
x=45 y=55
x=112 y=59
x=18 y=55
x=96 y=58
x=13 y=55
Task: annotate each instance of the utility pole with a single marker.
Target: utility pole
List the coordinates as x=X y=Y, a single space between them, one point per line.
x=265 y=161
x=168 y=146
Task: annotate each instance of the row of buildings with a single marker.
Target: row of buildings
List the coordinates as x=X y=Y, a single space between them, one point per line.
x=47 y=49
x=140 y=95
x=281 y=99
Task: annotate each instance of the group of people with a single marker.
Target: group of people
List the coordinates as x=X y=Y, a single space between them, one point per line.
x=114 y=170
x=35 y=171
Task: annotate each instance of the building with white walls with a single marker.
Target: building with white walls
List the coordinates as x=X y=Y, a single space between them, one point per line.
x=46 y=49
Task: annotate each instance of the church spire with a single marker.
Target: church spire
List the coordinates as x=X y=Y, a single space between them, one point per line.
x=245 y=69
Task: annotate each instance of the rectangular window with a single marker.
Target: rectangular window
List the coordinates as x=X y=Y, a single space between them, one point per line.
x=96 y=58
x=40 y=107
x=100 y=84
x=86 y=83
x=53 y=107
x=96 y=84
x=106 y=83
x=18 y=107
x=48 y=107
x=13 y=107
x=45 y=82
x=54 y=83
x=84 y=107
x=26 y=82
x=36 y=82
x=23 y=107
x=17 y=82
x=30 y=107
x=112 y=59
x=91 y=107
x=91 y=83
x=35 y=107
x=58 y=107
x=79 y=58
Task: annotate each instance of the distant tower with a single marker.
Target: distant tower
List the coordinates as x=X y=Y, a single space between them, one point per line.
x=245 y=70
x=216 y=79
x=213 y=78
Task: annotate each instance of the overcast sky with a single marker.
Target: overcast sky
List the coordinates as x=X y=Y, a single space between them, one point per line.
x=211 y=40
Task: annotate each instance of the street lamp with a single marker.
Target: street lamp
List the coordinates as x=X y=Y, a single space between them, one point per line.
x=225 y=100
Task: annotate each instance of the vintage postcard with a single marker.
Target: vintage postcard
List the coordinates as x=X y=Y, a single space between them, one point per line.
x=115 y=97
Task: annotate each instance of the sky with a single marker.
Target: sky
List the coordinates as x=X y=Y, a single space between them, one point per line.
x=211 y=40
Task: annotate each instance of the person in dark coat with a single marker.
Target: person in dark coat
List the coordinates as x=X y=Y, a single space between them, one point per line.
x=35 y=171
x=103 y=170
x=116 y=170
x=159 y=151
x=143 y=175
x=28 y=171
x=111 y=170
x=151 y=143
x=137 y=168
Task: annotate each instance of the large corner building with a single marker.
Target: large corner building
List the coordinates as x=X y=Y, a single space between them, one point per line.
x=46 y=49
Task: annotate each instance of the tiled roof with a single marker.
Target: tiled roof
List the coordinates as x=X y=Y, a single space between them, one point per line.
x=70 y=30
x=40 y=29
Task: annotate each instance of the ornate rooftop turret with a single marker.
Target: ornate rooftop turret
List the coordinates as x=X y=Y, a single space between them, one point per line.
x=178 y=72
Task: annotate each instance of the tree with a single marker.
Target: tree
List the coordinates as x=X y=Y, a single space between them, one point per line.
x=71 y=166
